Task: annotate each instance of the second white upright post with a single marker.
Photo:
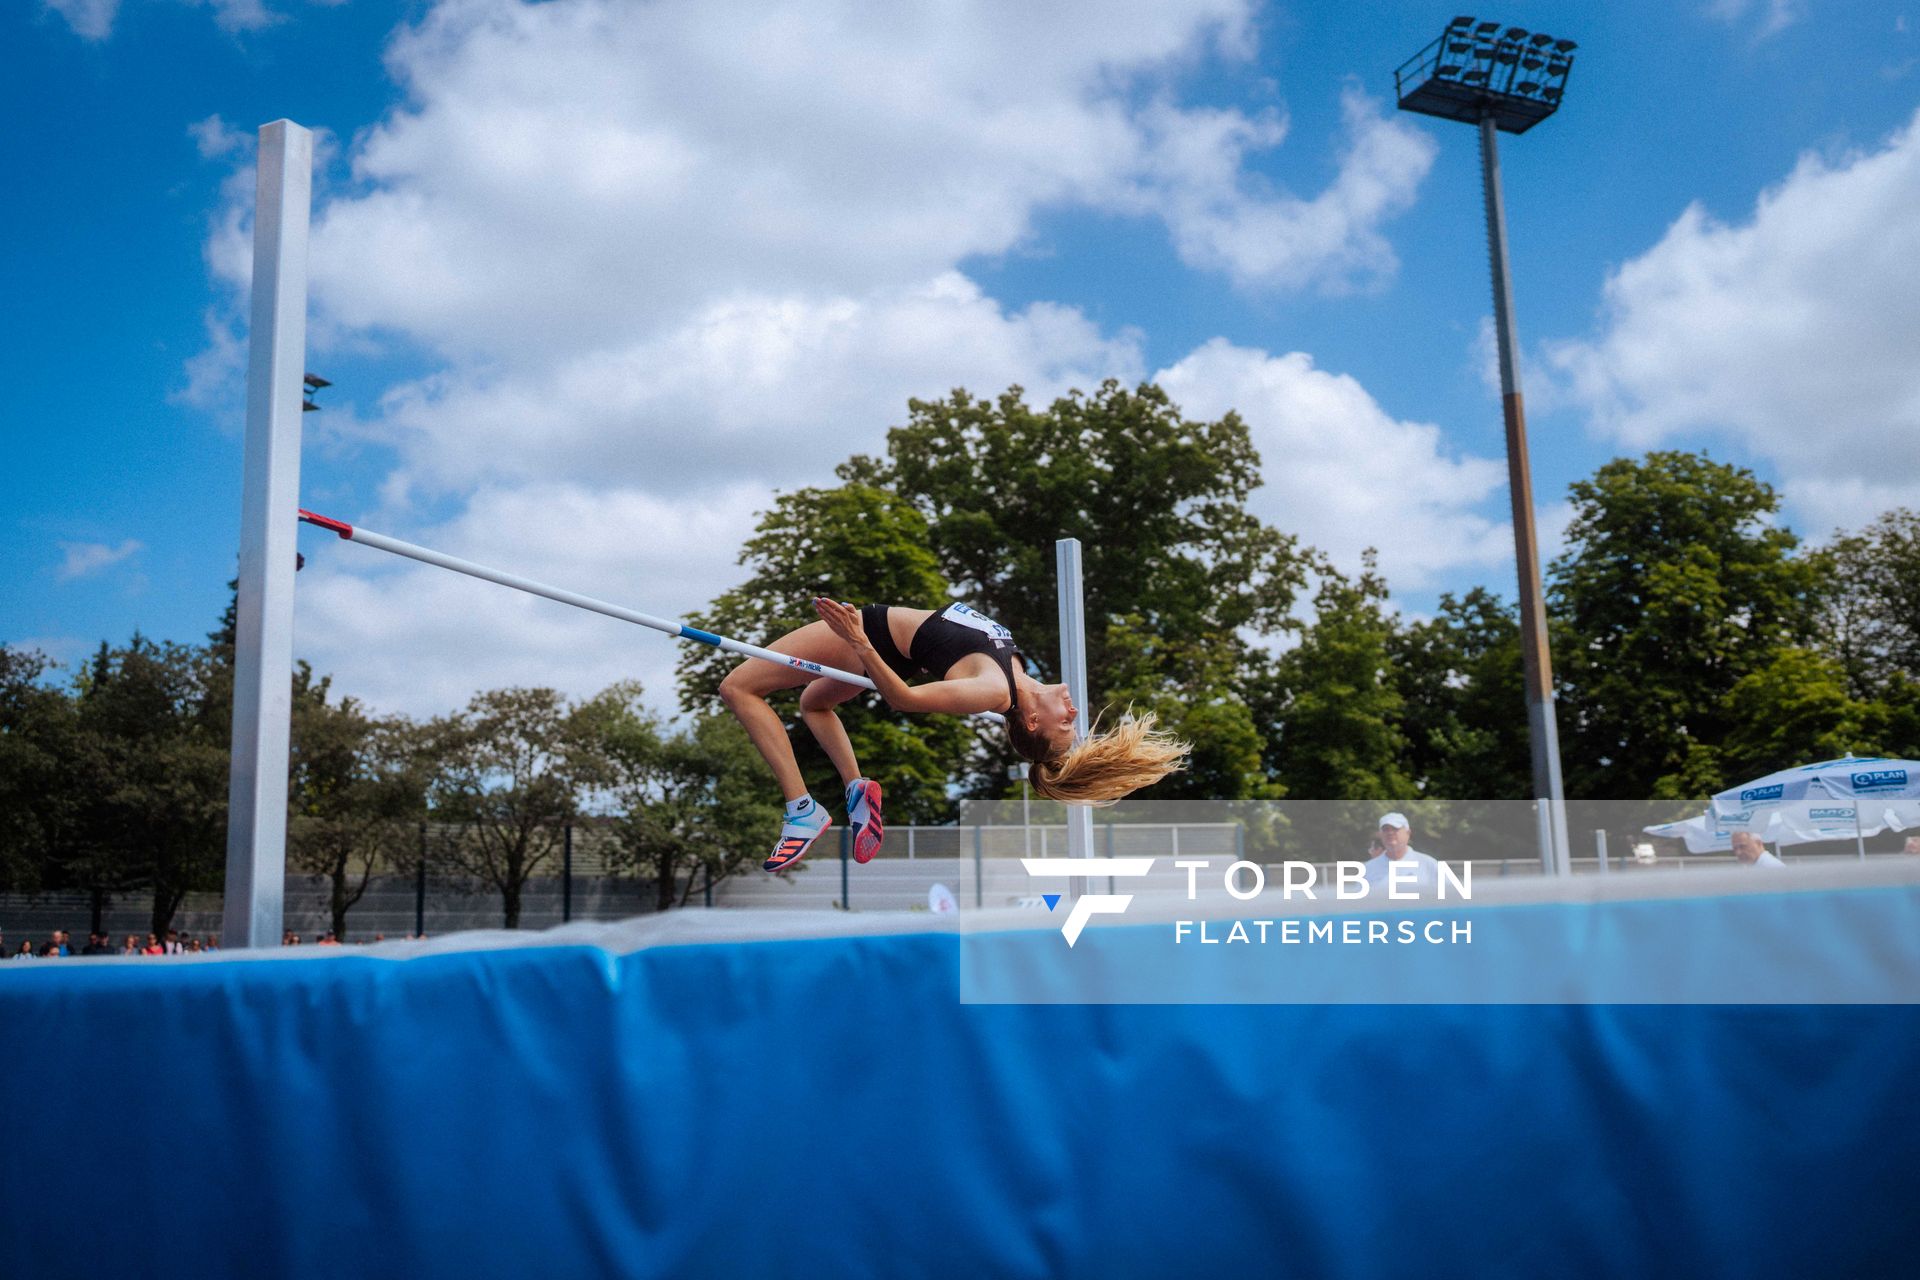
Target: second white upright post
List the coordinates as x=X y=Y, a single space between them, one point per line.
x=1073 y=670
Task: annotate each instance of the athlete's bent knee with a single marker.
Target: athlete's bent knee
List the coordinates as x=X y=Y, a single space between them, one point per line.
x=733 y=692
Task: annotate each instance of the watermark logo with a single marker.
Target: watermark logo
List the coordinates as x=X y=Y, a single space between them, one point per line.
x=1088 y=905
x=1880 y=780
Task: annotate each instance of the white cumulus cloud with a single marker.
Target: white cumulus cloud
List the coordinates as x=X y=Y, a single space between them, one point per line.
x=86 y=559
x=590 y=173
x=1791 y=332
x=1223 y=220
x=750 y=388
x=89 y=19
x=1764 y=17
x=663 y=259
x=1343 y=472
x=409 y=637
x=94 y=19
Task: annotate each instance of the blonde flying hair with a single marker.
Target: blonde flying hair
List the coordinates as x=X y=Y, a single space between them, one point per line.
x=1102 y=767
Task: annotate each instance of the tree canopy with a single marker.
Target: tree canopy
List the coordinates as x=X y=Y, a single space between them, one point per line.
x=1177 y=572
x=1696 y=642
x=1677 y=583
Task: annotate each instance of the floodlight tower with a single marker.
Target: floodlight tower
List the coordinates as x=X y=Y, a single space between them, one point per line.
x=1511 y=79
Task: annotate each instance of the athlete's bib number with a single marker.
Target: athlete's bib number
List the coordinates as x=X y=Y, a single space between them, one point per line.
x=969 y=617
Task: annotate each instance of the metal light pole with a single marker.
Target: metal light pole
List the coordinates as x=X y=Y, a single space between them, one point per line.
x=1512 y=80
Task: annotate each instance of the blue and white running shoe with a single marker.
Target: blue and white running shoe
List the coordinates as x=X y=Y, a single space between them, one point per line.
x=797 y=835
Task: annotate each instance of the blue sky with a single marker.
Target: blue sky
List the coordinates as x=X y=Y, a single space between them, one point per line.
x=594 y=279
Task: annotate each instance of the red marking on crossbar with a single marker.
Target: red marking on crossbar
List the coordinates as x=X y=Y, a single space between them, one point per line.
x=340 y=527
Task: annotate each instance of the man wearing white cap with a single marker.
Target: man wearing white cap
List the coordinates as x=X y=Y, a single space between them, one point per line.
x=1416 y=872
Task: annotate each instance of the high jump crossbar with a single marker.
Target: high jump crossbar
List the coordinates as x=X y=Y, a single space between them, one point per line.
x=667 y=626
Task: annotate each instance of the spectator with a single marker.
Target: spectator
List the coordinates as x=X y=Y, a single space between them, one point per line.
x=289 y=939
x=132 y=948
x=1912 y=845
x=97 y=944
x=52 y=950
x=60 y=943
x=1752 y=851
x=26 y=950
x=173 y=942
x=213 y=942
x=328 y=939
x=1395 y=841
x=153 y=947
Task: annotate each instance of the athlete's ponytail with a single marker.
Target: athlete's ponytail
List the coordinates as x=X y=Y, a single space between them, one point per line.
x=1102 y=767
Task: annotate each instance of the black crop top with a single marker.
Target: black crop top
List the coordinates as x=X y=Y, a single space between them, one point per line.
x=942 y=640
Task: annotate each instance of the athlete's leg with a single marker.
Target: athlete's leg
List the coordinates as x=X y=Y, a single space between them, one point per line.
x=745 y=692
x=863 y=794
x=816 y=708
x=746 y=688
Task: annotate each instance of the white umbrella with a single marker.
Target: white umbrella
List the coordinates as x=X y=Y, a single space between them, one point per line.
x=1703 y=834
x=1854 y=795
x=1800 y=823
x=1700 y=834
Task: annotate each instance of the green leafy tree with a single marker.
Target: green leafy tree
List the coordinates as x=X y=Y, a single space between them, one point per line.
x=1176 y=569
x=37 y=745
x=358 y=785
x=1676 y=585
x=692 y=806
x=1896 y=718
x=1870 y=620
x=1333 y=706
x=1207 y=708
x=1794 y=710
x=1462 y=694
x=856 y=543
x=151 y=765
x=510 y=771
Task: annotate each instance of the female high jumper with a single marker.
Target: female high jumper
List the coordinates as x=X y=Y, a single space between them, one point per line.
x=973 y=661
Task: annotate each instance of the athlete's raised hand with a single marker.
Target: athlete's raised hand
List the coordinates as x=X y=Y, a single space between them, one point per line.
x=845 y=621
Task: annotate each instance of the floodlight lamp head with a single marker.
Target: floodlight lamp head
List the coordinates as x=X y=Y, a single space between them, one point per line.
x=1466 y=21
x=1565 y=46
x=1487 y=28
x=1515 y=33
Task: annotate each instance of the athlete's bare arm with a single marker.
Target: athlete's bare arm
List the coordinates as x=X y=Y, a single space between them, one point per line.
x=964 y=695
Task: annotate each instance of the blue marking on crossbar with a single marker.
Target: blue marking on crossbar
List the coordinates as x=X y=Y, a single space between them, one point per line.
x=704 y=637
